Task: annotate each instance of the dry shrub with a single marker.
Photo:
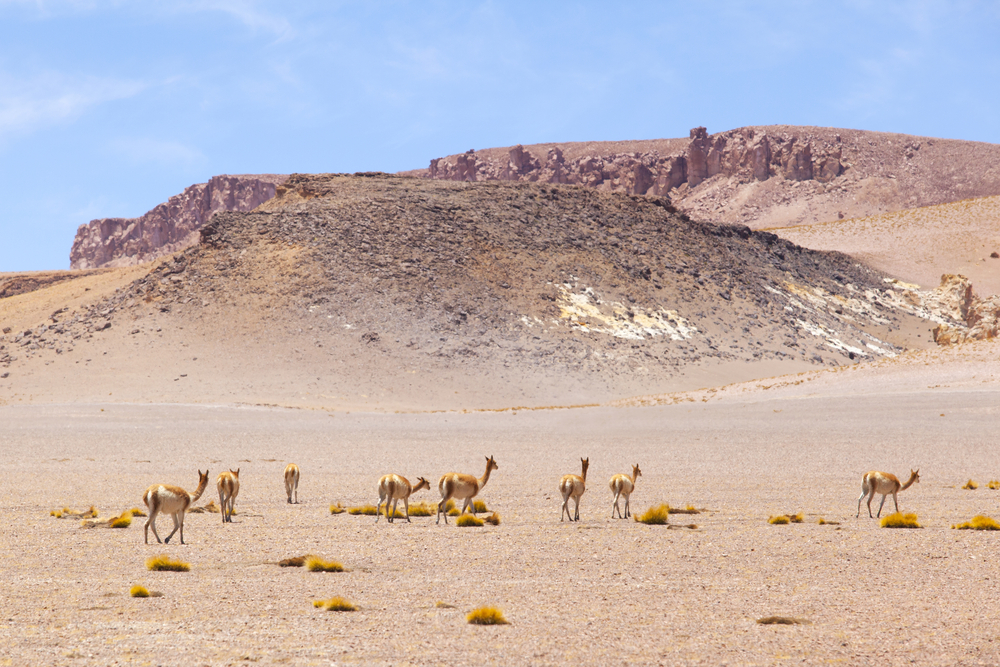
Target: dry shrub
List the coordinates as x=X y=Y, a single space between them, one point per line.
x=317 y=564
x=900 y=520
x=123 y=521
x=67 y=513
x=337 y=509
x=367 y=510
x=486 y=616
x=209 y=507
x=970 y=486
x=297 y=561
x=979 y=522
x=423 y=509
x=444 y=605
x=163 y=563
x=335 y=604
x=138 y=591
x=690 y=509
x=993 y=484
x=135 y=511
x=467 y=520
x=824 y=522
x=493 y=519
x=781 y=519
x=656 y=516
x=479 y=506
x=782 y=620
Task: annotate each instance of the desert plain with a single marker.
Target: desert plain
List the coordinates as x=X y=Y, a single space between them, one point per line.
x=92 y=415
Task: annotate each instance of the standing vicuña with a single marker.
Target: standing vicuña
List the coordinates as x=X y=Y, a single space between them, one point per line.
x=458 y=485
x=882 y=482
x=392 y=489
x=173 y=500
x=292 y=482
x=622 y=485
x=228 y=484
x=573 y=486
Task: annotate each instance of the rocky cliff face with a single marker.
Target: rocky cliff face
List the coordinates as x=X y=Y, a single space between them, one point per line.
x=169 y=227
x=770 y=176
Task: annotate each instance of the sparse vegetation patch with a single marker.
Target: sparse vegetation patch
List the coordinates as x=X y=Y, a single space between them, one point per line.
x=337 y=509
x=486 y=616
x=900 y=520
x=67 y=513
x=317 y=564
x=782 y=620
x=296 y=561
x=209 y=507
x=138 y=591
x=656 y=516
x=781 y=519
x=335 y=604
x=978 y=522
x=993 y=484
x=970 y=486
x=164 y=563
x=690 y=509
x=467 y=520
x=493 y=519
x=135 y=511
x=367 y=510
x=479 y=506
x=423 y=509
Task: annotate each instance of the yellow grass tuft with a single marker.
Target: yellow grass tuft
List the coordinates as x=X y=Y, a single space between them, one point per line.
x=138 y=591
x=56 y=513
x=135 y=511
x=795 y=518
x=824 y=522
x=337 y=509
x=970 y=486
x=493 y=519
x=335 y=604
x=479 y=506
x=979 y=522
x=900 y=520
x=781 y=519
x=993 y=484
x=123 y=521
x=317 y=564
x=467 y=520
x=689 y=509
x=423 y=509
x=443 y=605
x=656 y=516
x=486 y=616
x=67 y=513
x=368 y=510
x=163 y=563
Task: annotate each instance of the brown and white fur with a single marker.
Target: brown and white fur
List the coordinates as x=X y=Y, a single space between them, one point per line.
x=458 y=485
x=882 y=482
x=392 y=489
x=292 y=482
x=622 y=485
x=573 y=486
x=172 y=500
x=228 y=484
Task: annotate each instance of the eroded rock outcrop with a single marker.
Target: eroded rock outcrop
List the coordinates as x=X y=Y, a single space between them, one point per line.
x=169 y=227
x=977 y=318
x=764 y=176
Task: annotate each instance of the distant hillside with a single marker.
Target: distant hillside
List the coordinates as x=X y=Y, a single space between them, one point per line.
x=763 y=176
x=420 y=293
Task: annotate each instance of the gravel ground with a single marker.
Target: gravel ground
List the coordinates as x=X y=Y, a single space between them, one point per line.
x=602 y=591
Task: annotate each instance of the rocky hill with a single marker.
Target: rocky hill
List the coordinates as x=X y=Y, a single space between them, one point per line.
x=169 y=227
x=415 y=290
x=764 y=176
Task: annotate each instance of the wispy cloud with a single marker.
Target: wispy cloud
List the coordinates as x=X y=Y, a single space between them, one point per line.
x=147 y=150
x=52 y=98
x=249 y=13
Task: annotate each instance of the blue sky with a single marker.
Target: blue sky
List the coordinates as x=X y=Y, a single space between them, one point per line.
x=108 y=108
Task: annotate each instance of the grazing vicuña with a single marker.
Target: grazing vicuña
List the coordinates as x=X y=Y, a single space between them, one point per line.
x=459 y=485
x=172 y=500
x=882 y=482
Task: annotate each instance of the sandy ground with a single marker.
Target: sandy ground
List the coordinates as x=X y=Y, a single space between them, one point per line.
x=602 y=591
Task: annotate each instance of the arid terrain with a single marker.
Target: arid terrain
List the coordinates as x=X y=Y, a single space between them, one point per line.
x=366 y=324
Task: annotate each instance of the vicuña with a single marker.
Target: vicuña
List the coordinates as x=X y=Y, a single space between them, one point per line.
x=573 y=486
x=876 y=481
x=172 y=500
x=622 y=485
x=458 y=485
x=392 y=489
